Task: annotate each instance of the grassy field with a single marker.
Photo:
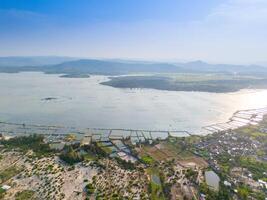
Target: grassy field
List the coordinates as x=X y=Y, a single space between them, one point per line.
x=151 y=151
x=180 y=146
x=155 y=186
x=257 y=168
x=2 y=193
x=251 y=131
x=89 y=156
x=254 y=132
x=166 y=150
x=147 y=159
x=24 y=195
x=104 y=148
x=8 y=173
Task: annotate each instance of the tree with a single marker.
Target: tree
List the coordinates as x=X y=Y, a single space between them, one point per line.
x=70 y=156
x=243 y=193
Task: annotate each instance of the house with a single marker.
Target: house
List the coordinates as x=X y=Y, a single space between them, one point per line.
x=262 y=183
x=226 y=183
x=6 y=187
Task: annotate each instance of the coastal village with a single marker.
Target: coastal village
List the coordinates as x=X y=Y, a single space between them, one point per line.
x=40 y=162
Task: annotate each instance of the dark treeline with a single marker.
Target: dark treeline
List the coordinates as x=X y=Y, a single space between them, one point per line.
x=33 y=142
x=166 y=83
x=70 y=156
x=128 y=165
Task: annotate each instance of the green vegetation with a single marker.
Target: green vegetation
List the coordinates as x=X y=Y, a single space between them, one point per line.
x=253 y=132
x=191 y=174
x=89 y=156
x=125 y=164
x=2 y=193
x=181 y=145
x=8 y=173
x=243 y=192
x=203 y=153
x=32 y=142
x=223 y=194
x=24 y=195
x=258 y=195
x=70 y=156
x=70 y=137
x=94 y=151
x=225 y=163
x=212 y=83
x=166 y=187
x=106 y=149
x=75 y=76
x=257 y=168
x=156 y=191
x=155 y=186
x=90 y=189
x=147 y=159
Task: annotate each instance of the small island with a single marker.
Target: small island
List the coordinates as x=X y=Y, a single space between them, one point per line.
x=195 y=82
x=75 y=76
x=49 y=99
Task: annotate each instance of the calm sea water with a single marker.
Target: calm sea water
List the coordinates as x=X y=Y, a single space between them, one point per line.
x=86 y=103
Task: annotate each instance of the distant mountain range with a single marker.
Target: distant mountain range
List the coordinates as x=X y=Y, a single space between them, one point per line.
x=68 y=65
x=200 y=66
x=21 y=61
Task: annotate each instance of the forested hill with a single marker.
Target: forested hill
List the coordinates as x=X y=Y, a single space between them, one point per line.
x=112 y=67
x=91 y=66
x=70 y=66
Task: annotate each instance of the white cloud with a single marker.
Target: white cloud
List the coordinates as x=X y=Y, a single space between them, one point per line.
x=243 y=11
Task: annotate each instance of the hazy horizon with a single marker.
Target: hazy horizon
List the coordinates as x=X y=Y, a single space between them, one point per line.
x=214 y=31
x=118 y=59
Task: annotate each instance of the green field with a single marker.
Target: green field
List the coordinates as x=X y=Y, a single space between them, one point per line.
x=24 y=195
x=106 y=149
x=155 y=185
x=147 y=159
x=8 y=173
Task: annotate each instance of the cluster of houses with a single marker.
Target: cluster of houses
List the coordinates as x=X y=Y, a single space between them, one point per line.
x=231 y=143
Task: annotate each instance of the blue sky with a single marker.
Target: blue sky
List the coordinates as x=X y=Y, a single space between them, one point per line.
x=229 y=31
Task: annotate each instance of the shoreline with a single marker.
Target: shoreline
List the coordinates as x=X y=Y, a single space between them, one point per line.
x=239 y=119
x=164 y=83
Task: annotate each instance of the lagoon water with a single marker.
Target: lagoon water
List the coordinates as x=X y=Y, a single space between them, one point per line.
x=39 y=98
x=212 y=179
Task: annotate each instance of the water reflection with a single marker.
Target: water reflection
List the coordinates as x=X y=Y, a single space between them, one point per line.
x=85 y=103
